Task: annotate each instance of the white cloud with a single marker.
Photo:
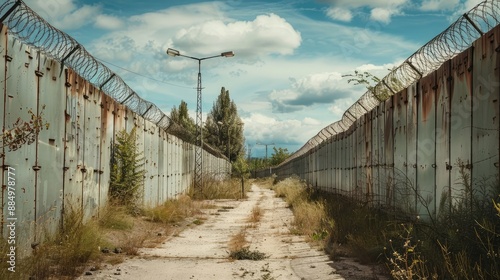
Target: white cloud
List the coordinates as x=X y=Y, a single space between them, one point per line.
x=313 y=89
x=382 y=15
x=65 y=14
x=267 y=34
x=338 y=13
x=108 y=22
x=262 y=128
x=380 y=10
x=436 y=5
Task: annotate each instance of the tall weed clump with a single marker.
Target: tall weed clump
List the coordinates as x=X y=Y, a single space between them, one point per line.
x=62 y=255
x=219 y=189
x=127 y=170
x=310 y=217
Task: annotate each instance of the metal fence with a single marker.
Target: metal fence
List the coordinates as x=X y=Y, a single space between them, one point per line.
x=428 y=131
x=86 y=105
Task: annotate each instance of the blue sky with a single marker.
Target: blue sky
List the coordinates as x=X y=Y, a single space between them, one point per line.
x=286 y=76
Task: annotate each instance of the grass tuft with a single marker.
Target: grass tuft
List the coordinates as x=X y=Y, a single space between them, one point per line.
x=246 y=254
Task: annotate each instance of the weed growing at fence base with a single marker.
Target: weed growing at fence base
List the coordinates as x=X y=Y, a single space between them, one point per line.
x=311 y=218
x=61 y=255
x=460 y=242
x=217 y=189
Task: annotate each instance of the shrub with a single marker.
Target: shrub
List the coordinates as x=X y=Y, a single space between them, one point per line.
x=127 y=173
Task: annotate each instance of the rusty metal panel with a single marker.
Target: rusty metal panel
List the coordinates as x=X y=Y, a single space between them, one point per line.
x=400 y=160
x=360 y=157
x=409 y=188
x=171 y=181
x=91 y=149
x=21 y=91
x=162 y=169
x=335 y=162
x=50 y=145
x=443 y=170
x=3 y=97
x=352 y=145
x=73 y=158
x=485 y=111
x=150 y=154
x=107 y=140
x=378 y=148
x=426 y=147
x=346 y=168
x=381 y=176
x=373 y=156
x=460 y=121
x=389 y=149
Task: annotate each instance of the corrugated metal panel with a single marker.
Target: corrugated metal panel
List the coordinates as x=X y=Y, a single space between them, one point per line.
x=91 y=148
x=107 y=138
x=426 y=147
x=389 y=150
x=381 y=176
x=73 y=157
x=21 y=89
x=50 y=145
x=409 y=189
x=3 y=95
x=485 y=111
x=360 y=159
x=461 y=121
x=443 y=165
x=400 y=161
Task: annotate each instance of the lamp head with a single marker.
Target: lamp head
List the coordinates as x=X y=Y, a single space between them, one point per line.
x=173 y=52
x=227 y=54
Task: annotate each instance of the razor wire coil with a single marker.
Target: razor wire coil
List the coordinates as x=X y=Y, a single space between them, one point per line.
x=26 y=25
x=449 y=43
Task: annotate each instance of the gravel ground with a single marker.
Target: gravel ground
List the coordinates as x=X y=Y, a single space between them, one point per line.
x=201 y=252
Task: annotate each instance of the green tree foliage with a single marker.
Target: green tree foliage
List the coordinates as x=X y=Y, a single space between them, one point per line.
x=224 y=128
x=183 y=126
x=127 y=170
x=279 y=156
x=240 y=167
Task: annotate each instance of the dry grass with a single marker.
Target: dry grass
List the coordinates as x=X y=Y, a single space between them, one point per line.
x=292 y=190
x=62 y=255
x=173 y=211
x=255 y=215
x=215 y=189
x=310 y=217
x=238 y=241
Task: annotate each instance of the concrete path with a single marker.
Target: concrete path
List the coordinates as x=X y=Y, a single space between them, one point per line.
x=202 y=252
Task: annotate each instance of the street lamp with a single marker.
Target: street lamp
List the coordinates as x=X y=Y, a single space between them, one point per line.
x=198 y=158
x=263 y=144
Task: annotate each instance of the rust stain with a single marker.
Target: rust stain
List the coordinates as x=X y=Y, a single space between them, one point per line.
x=427 y=95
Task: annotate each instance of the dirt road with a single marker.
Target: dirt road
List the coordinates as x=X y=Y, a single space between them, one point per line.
x=202 y=252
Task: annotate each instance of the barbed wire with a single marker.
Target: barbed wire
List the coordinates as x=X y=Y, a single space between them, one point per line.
x=33 y=30
x=449 y=43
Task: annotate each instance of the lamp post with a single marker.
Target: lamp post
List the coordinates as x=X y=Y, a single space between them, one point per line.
x=198 y=158
x=263 y=144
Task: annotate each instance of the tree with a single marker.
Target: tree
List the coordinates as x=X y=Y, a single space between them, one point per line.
x=279 y=156
x=224 y=128
x=127 y=170
x=182 y=125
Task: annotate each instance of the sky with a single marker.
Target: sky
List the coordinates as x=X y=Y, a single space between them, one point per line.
x=290 y=55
